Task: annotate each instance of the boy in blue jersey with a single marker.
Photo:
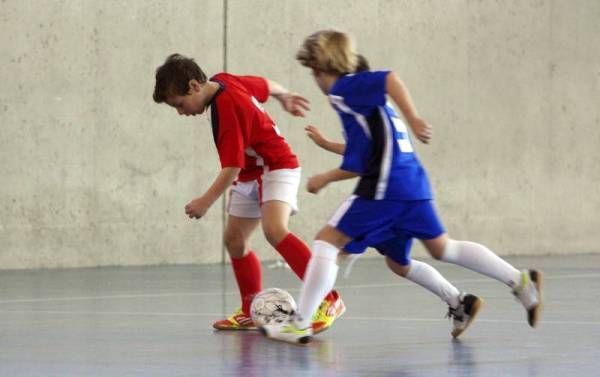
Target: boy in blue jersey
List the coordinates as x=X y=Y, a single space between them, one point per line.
x=392 y=203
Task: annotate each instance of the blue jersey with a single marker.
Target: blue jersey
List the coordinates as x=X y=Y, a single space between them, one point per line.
x=378 y=147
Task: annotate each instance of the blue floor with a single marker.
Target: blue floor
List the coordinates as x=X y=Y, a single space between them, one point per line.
x=156 y=321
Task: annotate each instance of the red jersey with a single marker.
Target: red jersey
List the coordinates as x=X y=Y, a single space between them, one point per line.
x=245 y=135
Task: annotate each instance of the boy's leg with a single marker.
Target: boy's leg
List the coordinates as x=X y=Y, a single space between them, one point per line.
x=275 y=217
x=278 y=195
x=248 y=276
x=365 y=220
x=473 y=256
x=526 y=285
x=462 y=308
x=319 y=279
x=244 y=217
x=427 y=277
x=419 y=220
x=295 y=252
x=397 y=257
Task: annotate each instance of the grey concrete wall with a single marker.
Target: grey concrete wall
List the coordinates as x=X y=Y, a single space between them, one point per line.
x=94 y=173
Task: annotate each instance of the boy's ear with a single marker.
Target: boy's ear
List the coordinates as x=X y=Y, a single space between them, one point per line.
x=194 y=85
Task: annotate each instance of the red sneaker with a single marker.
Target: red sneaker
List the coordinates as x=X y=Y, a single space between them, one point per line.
x=237 y=321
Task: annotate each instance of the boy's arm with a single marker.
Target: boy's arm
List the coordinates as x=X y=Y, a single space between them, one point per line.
x=332 y=146
x=293 y=103
x=315 y=135
x=199 y=206
x=396 y=89
x=317 y=182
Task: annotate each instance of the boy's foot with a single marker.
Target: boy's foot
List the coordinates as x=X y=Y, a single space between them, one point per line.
x=465 y=313
x=329 y=310
x=288 y=332
x=237 y=321
x=529 y=292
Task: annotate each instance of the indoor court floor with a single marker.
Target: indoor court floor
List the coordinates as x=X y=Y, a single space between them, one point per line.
x=156 y=321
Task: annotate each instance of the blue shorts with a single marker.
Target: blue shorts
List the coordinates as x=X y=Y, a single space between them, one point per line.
x=386 y=225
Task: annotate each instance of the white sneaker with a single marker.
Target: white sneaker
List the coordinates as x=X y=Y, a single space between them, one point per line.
x=288 y=332
x=465 y=313
x=529 y=292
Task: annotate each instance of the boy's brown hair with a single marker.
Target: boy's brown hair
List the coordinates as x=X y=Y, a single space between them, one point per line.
x=329 y=51
x=173 y=77
x=362 y=64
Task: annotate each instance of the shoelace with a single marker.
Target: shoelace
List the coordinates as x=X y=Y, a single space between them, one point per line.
x=452 y=313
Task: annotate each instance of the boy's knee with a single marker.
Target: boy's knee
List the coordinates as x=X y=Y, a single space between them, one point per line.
x=437 y=254
x=397 y=268
x=437 y=246
x=274 y=233
x=235 y=245
x=404 y=270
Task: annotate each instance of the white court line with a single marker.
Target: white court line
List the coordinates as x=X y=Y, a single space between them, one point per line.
x=92 y=313
x=542 y=321
x=477 y=280
x=200 y=294
x=111 y=297
x=345 y=318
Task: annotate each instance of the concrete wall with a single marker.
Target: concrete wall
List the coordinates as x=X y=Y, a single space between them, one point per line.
x=94 y=173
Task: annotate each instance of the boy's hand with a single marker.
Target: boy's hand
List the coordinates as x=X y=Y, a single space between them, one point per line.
x=197 y=207
x=421 y=129
x=294 y=103
x=315 y=135
x=316 y=183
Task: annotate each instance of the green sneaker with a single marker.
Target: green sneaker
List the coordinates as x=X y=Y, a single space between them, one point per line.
x=330 y=309
x=288 y=332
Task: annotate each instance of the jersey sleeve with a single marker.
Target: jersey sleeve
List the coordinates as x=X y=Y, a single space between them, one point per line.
x=231 y=140
x=257 y=86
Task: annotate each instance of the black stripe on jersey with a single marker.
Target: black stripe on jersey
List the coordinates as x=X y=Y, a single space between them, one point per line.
x=367 y=186
x=214 y=120
x=214 y=112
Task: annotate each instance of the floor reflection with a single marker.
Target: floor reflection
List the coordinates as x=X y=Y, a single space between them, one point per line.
x=253 y=355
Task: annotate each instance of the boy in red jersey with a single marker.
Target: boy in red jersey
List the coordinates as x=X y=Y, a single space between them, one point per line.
x=256 y=162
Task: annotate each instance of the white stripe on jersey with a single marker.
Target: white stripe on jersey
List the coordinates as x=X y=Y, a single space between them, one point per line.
x=362 y=121
x=386 y=159
x=252 y=153
x=341 y=211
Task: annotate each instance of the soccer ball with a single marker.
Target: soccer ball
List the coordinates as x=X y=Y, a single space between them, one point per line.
x=272 y=305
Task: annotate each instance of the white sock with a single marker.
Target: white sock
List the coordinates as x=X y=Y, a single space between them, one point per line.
x=429 y=278
x=480 y=259
x=319 y=279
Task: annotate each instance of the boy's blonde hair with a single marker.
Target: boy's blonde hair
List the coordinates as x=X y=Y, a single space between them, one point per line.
x=329 y=51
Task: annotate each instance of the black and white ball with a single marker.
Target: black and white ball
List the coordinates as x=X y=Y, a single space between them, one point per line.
x=271 y=306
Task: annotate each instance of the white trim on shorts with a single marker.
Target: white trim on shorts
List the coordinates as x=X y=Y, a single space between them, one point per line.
x=341 y=211
x=246 y=198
